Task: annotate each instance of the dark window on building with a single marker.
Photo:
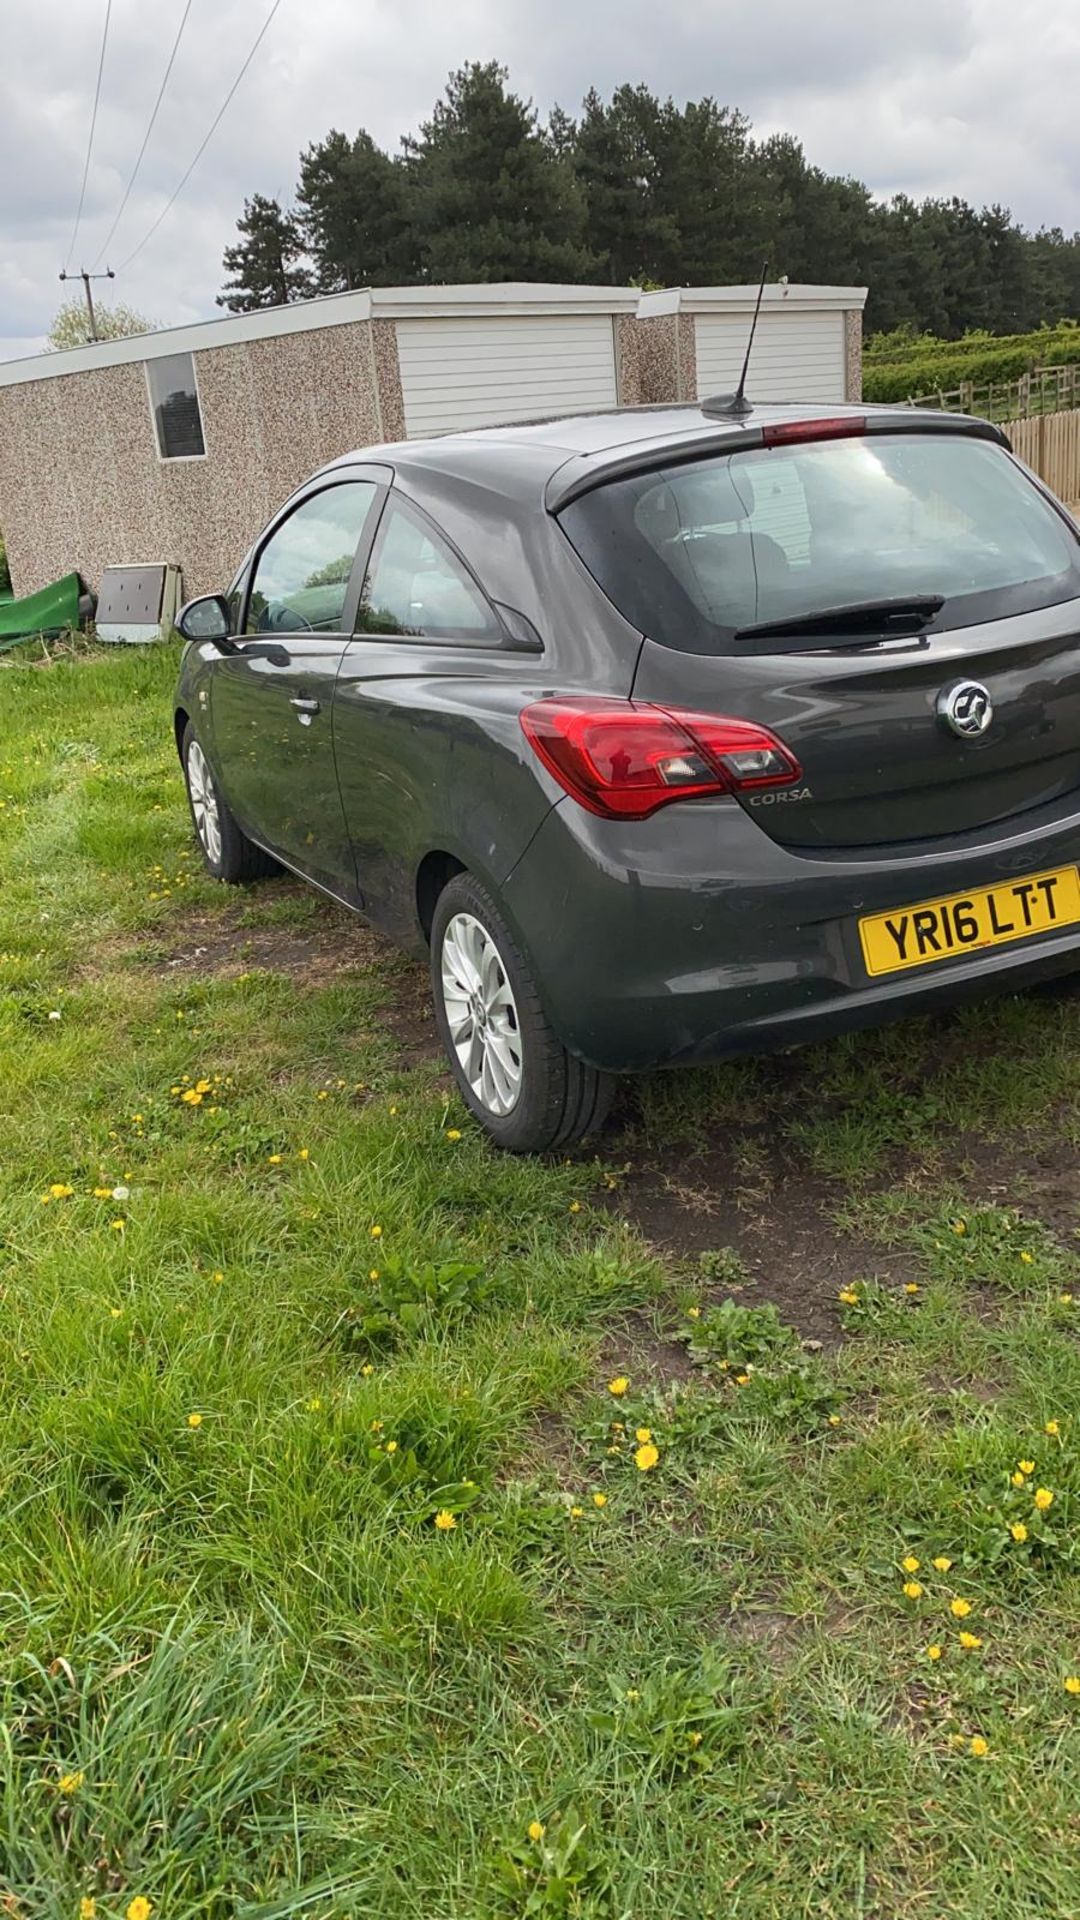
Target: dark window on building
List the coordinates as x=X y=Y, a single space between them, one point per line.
x=174 y=402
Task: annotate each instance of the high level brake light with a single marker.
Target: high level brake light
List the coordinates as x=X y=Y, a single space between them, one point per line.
x=624 y=761
x=837 y=427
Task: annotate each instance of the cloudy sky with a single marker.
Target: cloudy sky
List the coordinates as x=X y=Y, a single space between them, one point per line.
x=974 y=97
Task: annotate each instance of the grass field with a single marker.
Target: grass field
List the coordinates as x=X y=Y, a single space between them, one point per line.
x=337 y=1578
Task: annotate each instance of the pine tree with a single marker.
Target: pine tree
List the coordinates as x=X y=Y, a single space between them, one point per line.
x=493 y=198
x=355 y=210
x=266 y=264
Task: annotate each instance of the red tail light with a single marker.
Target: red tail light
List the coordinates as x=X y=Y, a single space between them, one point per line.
x=624 y=761
x=837 y=427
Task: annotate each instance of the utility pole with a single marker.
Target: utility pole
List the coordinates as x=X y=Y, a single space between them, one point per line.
x=86 y=279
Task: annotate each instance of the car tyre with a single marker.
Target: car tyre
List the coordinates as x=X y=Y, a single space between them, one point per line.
x=226 y=850
x=515 y=1075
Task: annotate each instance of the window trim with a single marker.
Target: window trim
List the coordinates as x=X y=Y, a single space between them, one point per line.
x=500 y=641
x=379 y=478
x=177 y=459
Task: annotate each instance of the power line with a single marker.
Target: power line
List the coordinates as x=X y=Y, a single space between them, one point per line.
x=90 y=142
x=146 y=136
x=215 y=123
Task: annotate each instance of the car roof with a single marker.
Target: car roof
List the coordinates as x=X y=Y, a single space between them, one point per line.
x=583 y=449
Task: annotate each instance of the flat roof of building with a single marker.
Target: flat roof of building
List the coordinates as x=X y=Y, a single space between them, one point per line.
x=506 y=298
x=799 y=298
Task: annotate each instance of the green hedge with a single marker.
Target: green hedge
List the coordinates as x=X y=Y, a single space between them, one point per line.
x=945 y=364
x=905 y=344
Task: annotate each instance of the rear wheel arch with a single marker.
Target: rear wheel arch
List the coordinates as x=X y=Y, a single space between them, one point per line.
x=180 y=726
x=434 y=873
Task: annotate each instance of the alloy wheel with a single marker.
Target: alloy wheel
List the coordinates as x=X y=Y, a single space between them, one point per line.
x=481 y=1014
x=204 y=802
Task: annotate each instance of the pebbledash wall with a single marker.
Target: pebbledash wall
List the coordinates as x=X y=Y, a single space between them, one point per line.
x=101 y=464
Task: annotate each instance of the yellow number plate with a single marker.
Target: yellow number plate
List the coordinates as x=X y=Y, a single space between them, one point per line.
x=964 y=922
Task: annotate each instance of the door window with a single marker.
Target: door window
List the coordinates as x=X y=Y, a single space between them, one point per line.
x=416 y=587
x=302 y=574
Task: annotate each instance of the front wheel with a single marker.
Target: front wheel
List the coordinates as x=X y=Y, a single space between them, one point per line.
x=514 y=1073
x=226 y=849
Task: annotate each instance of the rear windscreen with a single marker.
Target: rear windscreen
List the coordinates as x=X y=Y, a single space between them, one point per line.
x=693 y=553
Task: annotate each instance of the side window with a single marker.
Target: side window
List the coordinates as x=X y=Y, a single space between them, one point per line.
x=174 y=403
x=415 y=586
x=302 y=574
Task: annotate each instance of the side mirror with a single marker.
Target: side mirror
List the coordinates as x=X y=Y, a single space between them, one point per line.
x=206 y=619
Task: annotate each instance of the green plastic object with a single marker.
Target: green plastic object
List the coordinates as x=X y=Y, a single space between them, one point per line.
x=52 y=609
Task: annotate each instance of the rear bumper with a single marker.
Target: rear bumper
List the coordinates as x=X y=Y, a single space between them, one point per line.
x=693 y=936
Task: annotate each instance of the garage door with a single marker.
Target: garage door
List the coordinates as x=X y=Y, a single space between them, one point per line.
x=478 y=373
x=797 y=356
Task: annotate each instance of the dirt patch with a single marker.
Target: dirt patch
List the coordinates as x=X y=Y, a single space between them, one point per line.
x=689 y=1204
x=223 y=943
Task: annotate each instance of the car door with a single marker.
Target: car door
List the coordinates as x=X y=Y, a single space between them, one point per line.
x=426 y=688
x=271 y=700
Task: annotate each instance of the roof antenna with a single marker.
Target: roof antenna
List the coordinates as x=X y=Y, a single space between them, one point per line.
x=736 y=406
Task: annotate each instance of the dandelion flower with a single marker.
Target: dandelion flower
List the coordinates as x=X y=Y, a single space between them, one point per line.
x=315 y=1405
x=693 y=1313
x=912 y=1287
x=376 y=1233
x=303 y=1153
x=742 y=1379
x=102 y=1193
x=367 y=1370
x=217 y=1276
x=1027 y=1258
x=632 y=1695
x=194 y=1420
x=646 y=1458
x=391 y=1446
x=643 y=1434
x=942 y=1563
x=118 y=1225
x=1017 y=1478
x=536 y=1830
x=1052 y=1428
x=373 y=1273
x=139 y=1908
x=959 y=1609
x=1026 y=1466
x=934 y=1652
x=849 y=1298
x=70 y=1782
x=619 y=1385
x=1065 y=1299
x=978 y=1746
x=913 y=1590
x=599 y=1499
x=1072 y=1683
x=834 y=1419
x=910 y=1564
x=273 y=1159
x=575 y=1206
x=454 y=1133
x=87 y=1908
x=60 y=1190
x=445 y=1521
x=1019 y=1531
x=958 y=1226
x=969 y=1640
x=1044 y=1499
x=115 y=1313
x=577 y=1513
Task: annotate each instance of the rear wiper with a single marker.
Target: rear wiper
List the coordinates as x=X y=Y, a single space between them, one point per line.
x=861 y=616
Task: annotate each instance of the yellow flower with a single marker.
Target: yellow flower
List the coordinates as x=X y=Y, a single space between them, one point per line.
x=599 y=1499
x=834 y=1419
x=445 y=1521
x=115 y=1313
x=118 y=1225
x=303 y=1153
x=959 y=1226
x=910 y=1564
x=87 y=1908
x=1066 y=1299
x=217 y=1276
x=646 y=1457
x=1019 y=1531
x=969 y=1640
x=376 y=1233
x=1052 y=1428
x=454 y=1133
x=619 y=1385
x=536 y=1830
x=1017 y=1479
x=912 y=1287
x=102 y=1193
x=693 y=1313
x=315 y=1405
x=643 y=1434
x=849 y=1298
x=695 y=1738
x=60 y=1190
x=70 y=1782
x=577 y=1513
x=942 y=1563
x=367 y=1370
x=1027 y=1258
x=391 y=1446
x=959 y=1609
x=742 y=1379
x=632 y=1695
x=138 y=1909
x=913 y=1590
x=192 y=1096
x=575 y=1206
x=1072 y=1683
x=1044 y=1499
x=934 y=1652
x=201 y=1086
x=978 y=1746
x=373 y=1273
x=194 y=1419
x=1026 y=1466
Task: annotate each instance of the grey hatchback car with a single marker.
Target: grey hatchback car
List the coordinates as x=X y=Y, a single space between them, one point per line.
x=667 y=735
